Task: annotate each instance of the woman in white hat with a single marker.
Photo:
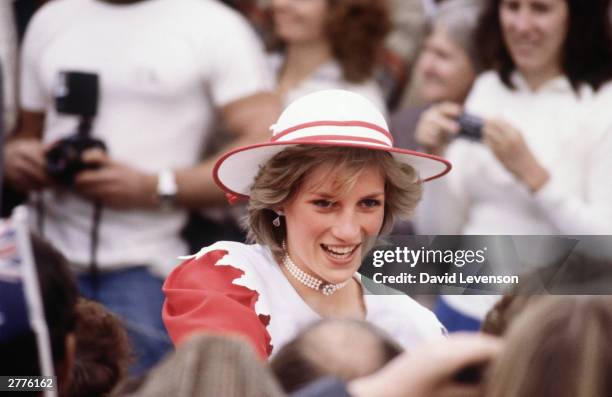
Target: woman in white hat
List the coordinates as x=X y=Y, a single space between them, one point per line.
x=328 y=178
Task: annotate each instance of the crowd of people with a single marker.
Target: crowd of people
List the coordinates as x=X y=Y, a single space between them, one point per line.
x=304 y=130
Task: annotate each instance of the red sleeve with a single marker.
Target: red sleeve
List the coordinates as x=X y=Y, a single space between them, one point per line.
x=200 y=296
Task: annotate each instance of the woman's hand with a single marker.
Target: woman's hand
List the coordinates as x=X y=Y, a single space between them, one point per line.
x=436 y=126
x=509 y=147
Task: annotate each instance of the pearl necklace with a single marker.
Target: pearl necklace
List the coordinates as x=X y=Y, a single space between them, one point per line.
x=317 y=284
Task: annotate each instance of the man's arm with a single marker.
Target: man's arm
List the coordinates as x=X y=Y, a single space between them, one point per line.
x=429 y=371
x=24 y=154
x=29 y=125
x=250 y=119
x=119 y=185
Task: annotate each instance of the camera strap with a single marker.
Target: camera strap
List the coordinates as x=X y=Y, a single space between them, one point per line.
x=94 y=236
x=94 y=270
x=40 y=213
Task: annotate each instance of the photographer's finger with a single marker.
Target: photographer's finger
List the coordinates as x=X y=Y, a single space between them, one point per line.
x=92 y=192
x=450 y=109
x=88 y=180
x=35 y=160
x=424 y=133
x=27 y=177
x=29 y=151
x=94 y=156
x=447 y=125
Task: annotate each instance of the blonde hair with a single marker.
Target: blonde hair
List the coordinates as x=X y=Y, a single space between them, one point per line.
x=281 y=178
x=208 y=365
x=559 y=347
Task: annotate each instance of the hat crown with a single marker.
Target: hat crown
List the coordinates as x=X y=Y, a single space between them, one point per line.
x=332 y=115
x=324 y=118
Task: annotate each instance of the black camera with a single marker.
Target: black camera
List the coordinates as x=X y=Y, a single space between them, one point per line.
x=64 y=158
x=470 y=127
x=76 y=94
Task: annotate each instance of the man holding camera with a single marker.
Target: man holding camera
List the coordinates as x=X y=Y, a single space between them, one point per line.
x=166 y=70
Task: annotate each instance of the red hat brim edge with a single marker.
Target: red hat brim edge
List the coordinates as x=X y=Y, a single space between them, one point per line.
x=235 y=170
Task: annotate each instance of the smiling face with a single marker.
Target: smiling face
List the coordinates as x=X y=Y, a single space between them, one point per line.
x=534 y=32
x=444 y=68
x=325 y=231
x=299 y=21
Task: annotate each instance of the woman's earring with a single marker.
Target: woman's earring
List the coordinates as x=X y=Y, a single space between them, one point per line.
x=276 y=222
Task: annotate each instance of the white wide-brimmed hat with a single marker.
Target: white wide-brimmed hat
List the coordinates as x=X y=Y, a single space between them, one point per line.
x=323 y=118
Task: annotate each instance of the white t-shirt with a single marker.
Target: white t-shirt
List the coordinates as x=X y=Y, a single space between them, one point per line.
x=165 y=66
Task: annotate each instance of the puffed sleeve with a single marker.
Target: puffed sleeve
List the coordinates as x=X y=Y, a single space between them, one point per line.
x=201 y=296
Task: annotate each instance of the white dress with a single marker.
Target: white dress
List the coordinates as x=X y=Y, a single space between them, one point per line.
x=232 y=287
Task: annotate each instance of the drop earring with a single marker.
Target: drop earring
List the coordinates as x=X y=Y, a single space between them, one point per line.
x=276 y=222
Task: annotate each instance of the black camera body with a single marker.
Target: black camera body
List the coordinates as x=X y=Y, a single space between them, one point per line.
x=76 y=94
x=470 y=127
x=64 y=158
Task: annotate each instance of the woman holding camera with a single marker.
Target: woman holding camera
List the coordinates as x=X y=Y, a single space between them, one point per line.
x=328 y=179
x=542 y=166
x=444 y=73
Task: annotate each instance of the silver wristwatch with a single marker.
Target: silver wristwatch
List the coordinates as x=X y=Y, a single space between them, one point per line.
x=166 y=188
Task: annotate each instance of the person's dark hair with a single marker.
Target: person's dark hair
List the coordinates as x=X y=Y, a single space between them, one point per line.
x=343 y=348
x=59 y=296
x=102 y=351
x=356 y=30
x=586 y=53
